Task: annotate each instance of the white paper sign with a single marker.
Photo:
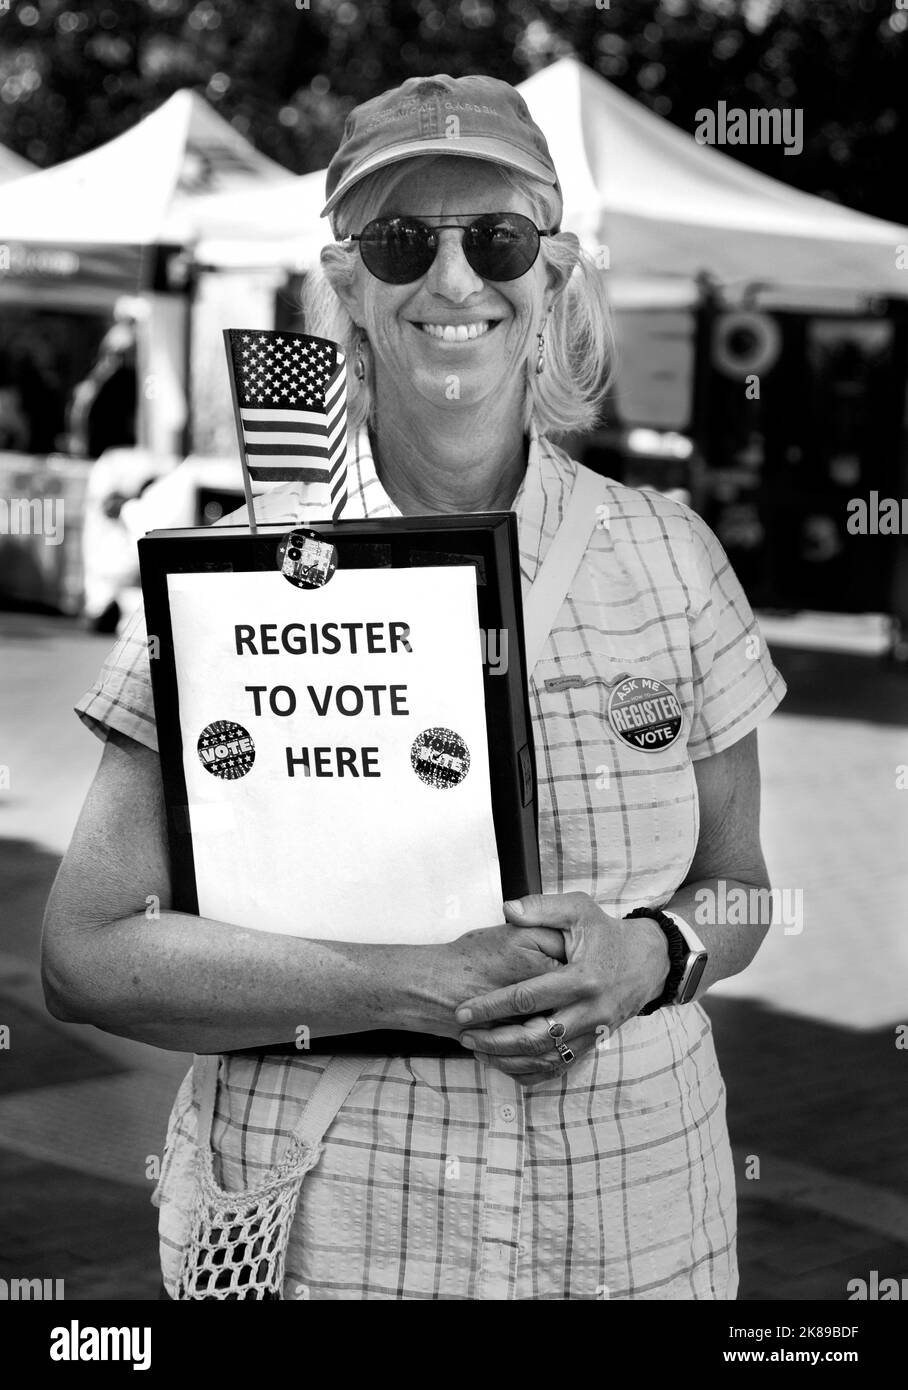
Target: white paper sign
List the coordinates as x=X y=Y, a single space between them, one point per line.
x=374 y=684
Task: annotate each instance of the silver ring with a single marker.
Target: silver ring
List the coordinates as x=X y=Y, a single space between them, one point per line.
x=555 y=1029
x=565 y=1053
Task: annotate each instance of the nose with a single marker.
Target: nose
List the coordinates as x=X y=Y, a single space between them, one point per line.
x=450 y=275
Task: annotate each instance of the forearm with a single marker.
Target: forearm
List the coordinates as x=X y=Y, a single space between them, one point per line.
x=189 y=984
x=708 y=904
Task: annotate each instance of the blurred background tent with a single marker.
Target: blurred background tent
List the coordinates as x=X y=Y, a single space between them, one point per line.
x=96 y=292
x=137 y=189
x=762 y=331
x=670 y=208
x=128 y=219
x=280 y=226
x=762 y=328
x=12 y=166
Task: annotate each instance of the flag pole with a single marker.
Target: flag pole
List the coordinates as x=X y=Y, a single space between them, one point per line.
x=247 y=482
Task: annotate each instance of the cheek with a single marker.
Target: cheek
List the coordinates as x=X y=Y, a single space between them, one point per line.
x=527 y=305
x=381 y=311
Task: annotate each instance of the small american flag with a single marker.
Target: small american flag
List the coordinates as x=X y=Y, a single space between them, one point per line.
x=291 y=401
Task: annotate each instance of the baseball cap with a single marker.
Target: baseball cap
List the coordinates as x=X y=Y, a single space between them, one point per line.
x=475 y=117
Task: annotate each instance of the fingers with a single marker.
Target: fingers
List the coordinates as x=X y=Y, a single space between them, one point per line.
x=531 y=1039
x=519 y=1067
x=546 y=909
x=563 y=911
x=530 y=1071
x=543 y=994
x=550 y=944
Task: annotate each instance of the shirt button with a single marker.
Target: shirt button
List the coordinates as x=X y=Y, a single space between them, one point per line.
x=508 y=1112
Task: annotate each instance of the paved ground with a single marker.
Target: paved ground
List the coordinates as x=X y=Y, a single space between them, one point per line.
x=818 y=1089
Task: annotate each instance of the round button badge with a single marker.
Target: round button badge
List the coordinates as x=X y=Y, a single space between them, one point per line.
x=305 y=560
x=645 y=713
x=440 y=758
x=226 y=749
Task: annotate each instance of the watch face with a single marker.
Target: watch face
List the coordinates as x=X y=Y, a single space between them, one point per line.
x=691 y=977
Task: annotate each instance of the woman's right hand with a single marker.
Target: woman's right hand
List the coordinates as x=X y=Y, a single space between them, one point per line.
x=480 y=961
x=192 y=984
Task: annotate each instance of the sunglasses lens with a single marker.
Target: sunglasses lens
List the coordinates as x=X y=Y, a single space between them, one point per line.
x=498 y=245
x=396 y=249
x=501 y=246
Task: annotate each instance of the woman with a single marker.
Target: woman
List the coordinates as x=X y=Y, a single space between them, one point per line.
x=577 y=1148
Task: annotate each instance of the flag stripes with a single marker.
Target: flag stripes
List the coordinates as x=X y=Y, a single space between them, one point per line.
x=291 y=398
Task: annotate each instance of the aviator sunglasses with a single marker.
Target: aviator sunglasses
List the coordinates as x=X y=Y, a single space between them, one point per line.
x=497 y=245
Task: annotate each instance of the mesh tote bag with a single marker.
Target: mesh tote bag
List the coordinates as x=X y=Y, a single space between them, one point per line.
x=236 y=1245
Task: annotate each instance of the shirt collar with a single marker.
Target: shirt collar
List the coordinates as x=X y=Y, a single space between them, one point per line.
x=539 y=503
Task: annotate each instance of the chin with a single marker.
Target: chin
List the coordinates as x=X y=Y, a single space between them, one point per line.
x=472 y=394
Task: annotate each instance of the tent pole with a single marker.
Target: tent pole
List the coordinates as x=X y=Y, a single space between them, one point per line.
x=192 y=280
x=707 y=306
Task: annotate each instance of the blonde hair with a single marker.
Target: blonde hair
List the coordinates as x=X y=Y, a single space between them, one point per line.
x=566 y=397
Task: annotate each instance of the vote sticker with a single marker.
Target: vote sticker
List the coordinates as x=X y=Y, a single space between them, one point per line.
x=645 y=713
x=440 y=758
x=226 y=749
x=305 y=560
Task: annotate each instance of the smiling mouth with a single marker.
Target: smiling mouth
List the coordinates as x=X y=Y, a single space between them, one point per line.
x=458 y=332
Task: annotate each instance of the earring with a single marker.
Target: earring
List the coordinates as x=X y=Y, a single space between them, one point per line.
x=359 y=365
x=540 y=360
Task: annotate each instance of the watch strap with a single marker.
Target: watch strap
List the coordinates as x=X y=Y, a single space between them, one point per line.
x=678 y=952
x=690 y=936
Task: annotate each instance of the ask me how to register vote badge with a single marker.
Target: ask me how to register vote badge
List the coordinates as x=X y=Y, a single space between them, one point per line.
x=645 y=713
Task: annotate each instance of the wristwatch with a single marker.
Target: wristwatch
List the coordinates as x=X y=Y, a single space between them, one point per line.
x=686 y=954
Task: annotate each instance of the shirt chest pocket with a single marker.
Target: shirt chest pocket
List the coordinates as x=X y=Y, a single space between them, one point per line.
x=639 y=701
x=616 y=784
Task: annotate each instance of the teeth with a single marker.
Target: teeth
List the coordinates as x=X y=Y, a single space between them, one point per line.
x=456 y=332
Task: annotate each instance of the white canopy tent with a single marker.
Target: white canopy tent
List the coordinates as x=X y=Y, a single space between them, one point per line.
x=116 y=225
x=279 y=227
x=12 y=166
x=669 y=209
x=140 y=188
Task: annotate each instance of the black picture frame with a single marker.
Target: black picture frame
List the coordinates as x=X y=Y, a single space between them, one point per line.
x=487 y=541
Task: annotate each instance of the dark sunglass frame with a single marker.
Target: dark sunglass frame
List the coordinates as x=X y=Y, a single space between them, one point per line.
x=429 y=247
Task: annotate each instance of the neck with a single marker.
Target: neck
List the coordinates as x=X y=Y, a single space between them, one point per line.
x=449 y=463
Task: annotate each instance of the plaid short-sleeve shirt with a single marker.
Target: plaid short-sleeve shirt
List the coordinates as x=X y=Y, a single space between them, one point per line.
x=442 y=1179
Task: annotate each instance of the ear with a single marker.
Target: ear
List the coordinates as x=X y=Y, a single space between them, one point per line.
x=340 y=269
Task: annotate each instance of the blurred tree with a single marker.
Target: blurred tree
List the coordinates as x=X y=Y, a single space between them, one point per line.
x=73 y=73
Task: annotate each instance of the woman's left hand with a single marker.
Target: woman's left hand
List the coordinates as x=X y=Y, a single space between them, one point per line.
x=613 y=968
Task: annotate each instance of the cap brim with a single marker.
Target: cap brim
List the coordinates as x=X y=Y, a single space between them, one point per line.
x=477 y=147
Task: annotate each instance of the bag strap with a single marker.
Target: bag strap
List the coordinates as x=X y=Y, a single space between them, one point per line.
x=552 y=583
x=334 y=1085
x=332 y=1089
